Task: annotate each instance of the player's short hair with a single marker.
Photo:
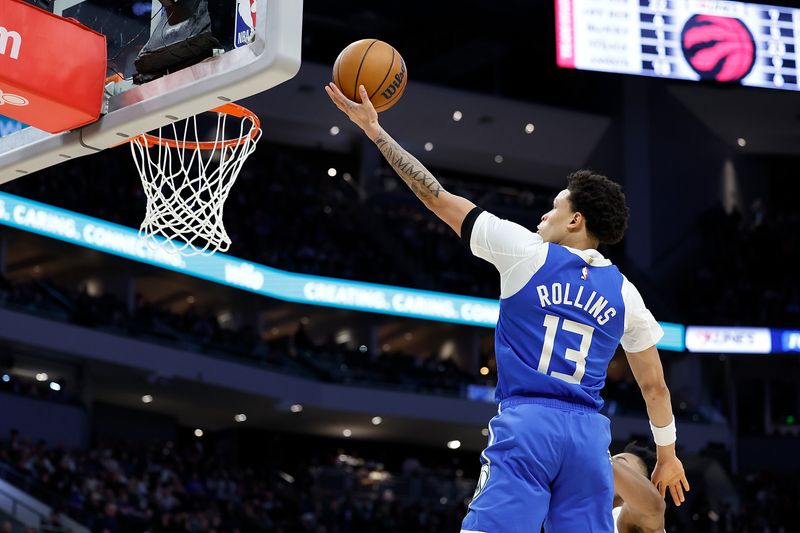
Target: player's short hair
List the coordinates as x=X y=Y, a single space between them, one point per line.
x=602 y=202
x=644 y=453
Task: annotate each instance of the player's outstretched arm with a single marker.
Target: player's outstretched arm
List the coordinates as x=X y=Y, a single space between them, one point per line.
x=668 y=474
x=643 y=502
x=450 y=208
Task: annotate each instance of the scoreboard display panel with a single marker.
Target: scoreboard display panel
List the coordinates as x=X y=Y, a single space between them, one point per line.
x=722 y=41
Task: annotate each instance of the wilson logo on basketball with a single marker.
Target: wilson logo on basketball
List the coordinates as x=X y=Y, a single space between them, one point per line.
x=14 y=39
x=398 y=81
x=718 y=48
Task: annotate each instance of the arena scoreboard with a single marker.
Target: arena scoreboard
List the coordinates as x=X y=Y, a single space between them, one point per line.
x=721 y=41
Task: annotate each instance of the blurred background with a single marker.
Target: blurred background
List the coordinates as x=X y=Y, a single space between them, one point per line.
x=140 y=394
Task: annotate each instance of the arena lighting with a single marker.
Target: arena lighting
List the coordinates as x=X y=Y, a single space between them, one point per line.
x=529 y=128
x=457 y=116
x=55 y=386
x=498 y=159
x=147 y=398
x=332 y=172
x=484 y=371
x=6 y=378
x=343 y=337
x=198 y=433
x=428 y=146
x=454 y=444
x=362 y=349
x=41 y=376
x=347 y=433
x=485 y=432
x=741 y=141
x=240 y=417
x=334 y=130
x=376 y=420
x=296 y=408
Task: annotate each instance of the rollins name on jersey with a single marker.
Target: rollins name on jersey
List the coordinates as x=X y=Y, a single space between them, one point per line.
x=567 y=294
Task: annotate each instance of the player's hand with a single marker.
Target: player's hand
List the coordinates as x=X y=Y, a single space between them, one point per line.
x=668 y=475
x=363 y=115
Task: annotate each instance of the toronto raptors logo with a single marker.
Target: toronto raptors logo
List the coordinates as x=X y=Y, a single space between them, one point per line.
x=12 y=99
x=718 y=48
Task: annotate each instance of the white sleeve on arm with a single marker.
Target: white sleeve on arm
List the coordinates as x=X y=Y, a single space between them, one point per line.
x=514 y=250
x=641 y=329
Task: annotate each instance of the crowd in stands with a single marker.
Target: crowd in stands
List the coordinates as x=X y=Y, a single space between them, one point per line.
x=319 y=487
x=164 y=488
x=198 y=331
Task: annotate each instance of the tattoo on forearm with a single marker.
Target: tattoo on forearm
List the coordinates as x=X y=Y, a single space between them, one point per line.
x=416 y=176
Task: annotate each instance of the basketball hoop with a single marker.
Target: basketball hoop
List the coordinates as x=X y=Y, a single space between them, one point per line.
x=187 y=180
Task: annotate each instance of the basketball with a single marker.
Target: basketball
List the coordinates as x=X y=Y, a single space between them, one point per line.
x=377 y=66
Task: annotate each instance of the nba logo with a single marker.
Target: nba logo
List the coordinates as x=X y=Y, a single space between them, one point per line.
x=245 y=22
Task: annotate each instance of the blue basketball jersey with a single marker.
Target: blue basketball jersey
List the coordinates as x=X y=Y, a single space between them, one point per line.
x=556 y=336
x=563 y=312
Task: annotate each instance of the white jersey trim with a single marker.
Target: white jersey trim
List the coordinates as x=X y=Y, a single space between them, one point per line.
x=515 y=251
x=641 y=330
x=615 y=512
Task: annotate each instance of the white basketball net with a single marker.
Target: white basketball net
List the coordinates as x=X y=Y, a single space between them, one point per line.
x=187 y=182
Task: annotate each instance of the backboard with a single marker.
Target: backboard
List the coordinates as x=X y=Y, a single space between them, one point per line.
x=249 y=58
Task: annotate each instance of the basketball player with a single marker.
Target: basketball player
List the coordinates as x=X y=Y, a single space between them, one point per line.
x=638 y=506
x=564 y=309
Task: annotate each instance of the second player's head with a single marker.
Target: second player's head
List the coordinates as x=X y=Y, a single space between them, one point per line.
x=591 y=210
x=639 y=458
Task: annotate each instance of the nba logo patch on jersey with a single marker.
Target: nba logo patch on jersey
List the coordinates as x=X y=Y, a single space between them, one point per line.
x=245 y=22
x=584 y=273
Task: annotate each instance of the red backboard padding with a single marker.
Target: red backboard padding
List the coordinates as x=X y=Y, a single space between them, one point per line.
x=52 y=69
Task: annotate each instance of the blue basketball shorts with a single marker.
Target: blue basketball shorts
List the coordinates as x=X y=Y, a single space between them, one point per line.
x=547 y=463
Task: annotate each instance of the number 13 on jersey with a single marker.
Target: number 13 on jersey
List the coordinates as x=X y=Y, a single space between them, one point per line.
x=551 y=323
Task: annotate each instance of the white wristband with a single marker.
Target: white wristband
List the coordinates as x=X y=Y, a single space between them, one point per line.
x=666 y=435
